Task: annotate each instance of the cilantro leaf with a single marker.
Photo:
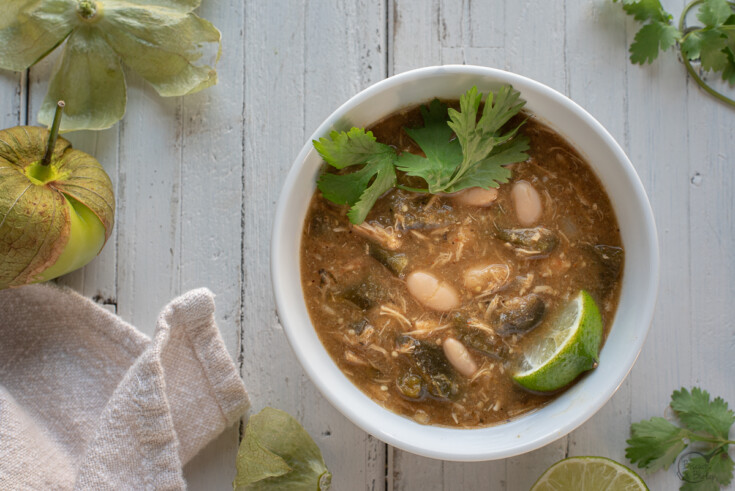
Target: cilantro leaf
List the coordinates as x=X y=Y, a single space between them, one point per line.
x=477 y=156
x=643 y=10
x=692 y=45
x=696 y=477
x=385 y=179
x=362 y=188
x=650 y=39
x=720 y=467
x=655 y=443
x=728 y=74
x=344 y=149
x=346 y=189
x=698 y=413
x=706 y=485
x=442 y=154
x=492 y=168
x=480 y=140
x=712 y=46
x=704 y=474
x=714 y=13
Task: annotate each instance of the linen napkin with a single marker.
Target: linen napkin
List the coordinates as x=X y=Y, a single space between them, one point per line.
x=89 y=402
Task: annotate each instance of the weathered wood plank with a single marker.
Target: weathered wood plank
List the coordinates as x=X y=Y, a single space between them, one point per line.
x=711 y=236
x=12 y=102
x=211 y=217
x=415 y=39
x=711 y=322
x=302 y=62
x=524 y=470
x=149 y=204
x=657 y=141
x=535 y=39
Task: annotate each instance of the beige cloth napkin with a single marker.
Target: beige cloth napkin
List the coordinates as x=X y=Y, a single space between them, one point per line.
x=88 y=402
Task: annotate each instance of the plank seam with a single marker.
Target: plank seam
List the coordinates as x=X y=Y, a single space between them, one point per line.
x=25 y=107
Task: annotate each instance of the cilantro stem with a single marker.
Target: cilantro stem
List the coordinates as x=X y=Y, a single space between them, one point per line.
x=53 y=134
x=413 y=190
x=702 y=438
x=704 y=84
x=685 y=59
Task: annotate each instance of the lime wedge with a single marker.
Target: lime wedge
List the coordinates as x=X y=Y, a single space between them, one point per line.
x=567 y=347
x=589 y=474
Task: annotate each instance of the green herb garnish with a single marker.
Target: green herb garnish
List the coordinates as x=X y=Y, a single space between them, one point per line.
x=277 y=453
x=657 y=442
x=352 y=148
x=475 y=158
x=712 y=45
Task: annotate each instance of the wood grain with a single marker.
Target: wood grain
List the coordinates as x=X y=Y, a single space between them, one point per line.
x=302 y=62
x=197 y=179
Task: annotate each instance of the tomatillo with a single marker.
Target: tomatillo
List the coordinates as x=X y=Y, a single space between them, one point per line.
x=57 y=205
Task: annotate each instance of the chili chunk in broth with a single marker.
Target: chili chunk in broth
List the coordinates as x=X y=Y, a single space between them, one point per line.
x=425 y=305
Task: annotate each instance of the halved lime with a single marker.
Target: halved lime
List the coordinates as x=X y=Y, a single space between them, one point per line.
x=568 y=346
x=589 y=474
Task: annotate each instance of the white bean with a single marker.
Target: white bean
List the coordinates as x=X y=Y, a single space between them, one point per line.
x=527 y=203
x=486 y=277
x=476 y=197
x=459 y=357
x=431 y=292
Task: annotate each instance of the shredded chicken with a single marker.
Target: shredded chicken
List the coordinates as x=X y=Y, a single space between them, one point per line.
x=393 y=313
x=544 y=289
x=496 y=276
x=388 y=237
x=481 y=326
x=427 y=331
x=527 y=282
x=379 y=349
x=442 y=259
x=354 y=359
x=491 y=307
x=485 y=370
x=419 y=235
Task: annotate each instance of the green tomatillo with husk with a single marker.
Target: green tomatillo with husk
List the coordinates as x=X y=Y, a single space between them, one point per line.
x=162 y=40
x=57 y=205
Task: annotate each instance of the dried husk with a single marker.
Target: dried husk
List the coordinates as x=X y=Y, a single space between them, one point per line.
x=35 y=220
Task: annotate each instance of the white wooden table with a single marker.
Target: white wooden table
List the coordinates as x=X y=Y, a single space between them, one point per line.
x=197 y=179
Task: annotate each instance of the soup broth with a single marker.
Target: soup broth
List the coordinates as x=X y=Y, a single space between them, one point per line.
x=502 y=265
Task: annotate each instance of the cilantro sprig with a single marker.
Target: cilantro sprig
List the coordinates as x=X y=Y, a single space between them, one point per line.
x=460 y=152
x=655 y=443
x=347 y=149
x=712 y=45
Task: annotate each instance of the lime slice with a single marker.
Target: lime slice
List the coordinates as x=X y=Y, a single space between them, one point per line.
x=566 y=348
x=589 y=474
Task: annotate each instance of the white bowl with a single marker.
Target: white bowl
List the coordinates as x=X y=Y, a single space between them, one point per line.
x=638 y=293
